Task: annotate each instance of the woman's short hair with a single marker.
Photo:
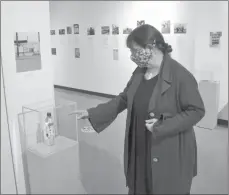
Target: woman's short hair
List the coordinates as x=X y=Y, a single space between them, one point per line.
x=145 y=35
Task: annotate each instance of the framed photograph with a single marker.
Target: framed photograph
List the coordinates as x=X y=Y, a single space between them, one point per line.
x=77 y=52
x=91 y=31
x=115 y=30
x=215 y=39
x=165 y=27
x=140 y=22
x=62 y=32
x=76 y=29
x=69 y=30
x=52 y=32
x=180 y=28
x=127 y=30
x=105 y=30
x=53 y=50
x=27 y=51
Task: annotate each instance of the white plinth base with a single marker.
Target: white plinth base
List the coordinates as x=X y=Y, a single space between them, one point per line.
x=54 y=169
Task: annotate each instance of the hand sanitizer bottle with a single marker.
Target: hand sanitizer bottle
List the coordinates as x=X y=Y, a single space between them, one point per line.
x=49 y=134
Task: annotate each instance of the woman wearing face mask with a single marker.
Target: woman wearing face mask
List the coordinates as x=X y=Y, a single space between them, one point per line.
x=163 y=104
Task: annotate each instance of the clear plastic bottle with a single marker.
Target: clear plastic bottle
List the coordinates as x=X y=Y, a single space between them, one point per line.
x=49 y=133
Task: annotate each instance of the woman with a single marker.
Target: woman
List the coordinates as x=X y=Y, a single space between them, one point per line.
x=163 y=104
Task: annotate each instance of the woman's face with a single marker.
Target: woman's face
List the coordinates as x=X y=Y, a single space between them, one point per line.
x=141 y=56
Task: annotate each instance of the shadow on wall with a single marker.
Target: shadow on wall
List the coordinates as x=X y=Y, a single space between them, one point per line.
x=224 y=113
x=101 y=173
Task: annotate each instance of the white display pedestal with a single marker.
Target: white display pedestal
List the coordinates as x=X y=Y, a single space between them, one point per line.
x=54 y=169
x=209 y=91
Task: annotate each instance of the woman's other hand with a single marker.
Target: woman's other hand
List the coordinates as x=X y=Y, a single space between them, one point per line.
x=150 y=122
x=81 y=114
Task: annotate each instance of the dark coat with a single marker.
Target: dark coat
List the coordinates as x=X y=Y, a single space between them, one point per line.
x=174 y=150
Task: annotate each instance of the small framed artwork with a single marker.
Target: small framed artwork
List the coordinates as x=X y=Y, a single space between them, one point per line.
x=27 y=51
x=140 y=22
x=91 y=31
x=61 y=31
x=115 y=30
x=105 y=30
x=69 y=30
x=127 y=30
x=215 y=39
x=52 y=32
x=180 y=28
x=165 y=27
x=76 y=29
x=53 y=50
x=77 y=52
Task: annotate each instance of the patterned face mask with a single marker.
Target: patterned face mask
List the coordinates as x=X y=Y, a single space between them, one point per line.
x=141 y=57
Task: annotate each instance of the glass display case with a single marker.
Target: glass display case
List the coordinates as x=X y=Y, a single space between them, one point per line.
x=49 y=140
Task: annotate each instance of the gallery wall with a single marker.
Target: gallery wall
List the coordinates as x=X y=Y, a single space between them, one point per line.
x=95 y=70
x=7 y=170
x=23 y=88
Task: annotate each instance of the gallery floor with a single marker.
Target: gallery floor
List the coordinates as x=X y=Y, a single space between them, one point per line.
x=212 y=154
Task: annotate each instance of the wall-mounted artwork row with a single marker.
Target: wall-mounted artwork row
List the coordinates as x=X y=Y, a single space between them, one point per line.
x=105 y=30
x=27 y=51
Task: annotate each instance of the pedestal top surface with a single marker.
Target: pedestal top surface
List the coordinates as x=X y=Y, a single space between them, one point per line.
x=61 y=144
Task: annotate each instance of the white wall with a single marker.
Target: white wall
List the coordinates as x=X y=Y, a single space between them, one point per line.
x=7 y=175
x=28 y=87
x=207 y=59
x=96 y=71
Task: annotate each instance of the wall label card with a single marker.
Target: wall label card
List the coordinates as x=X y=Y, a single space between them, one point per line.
x=105 y=41
x=115 y=54
x=115 y=42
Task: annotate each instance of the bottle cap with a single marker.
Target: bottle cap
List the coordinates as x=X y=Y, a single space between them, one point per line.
x=48 y=114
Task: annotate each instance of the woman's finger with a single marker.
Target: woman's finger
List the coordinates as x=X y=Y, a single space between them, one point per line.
x=153 y=120
x=76 y=112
